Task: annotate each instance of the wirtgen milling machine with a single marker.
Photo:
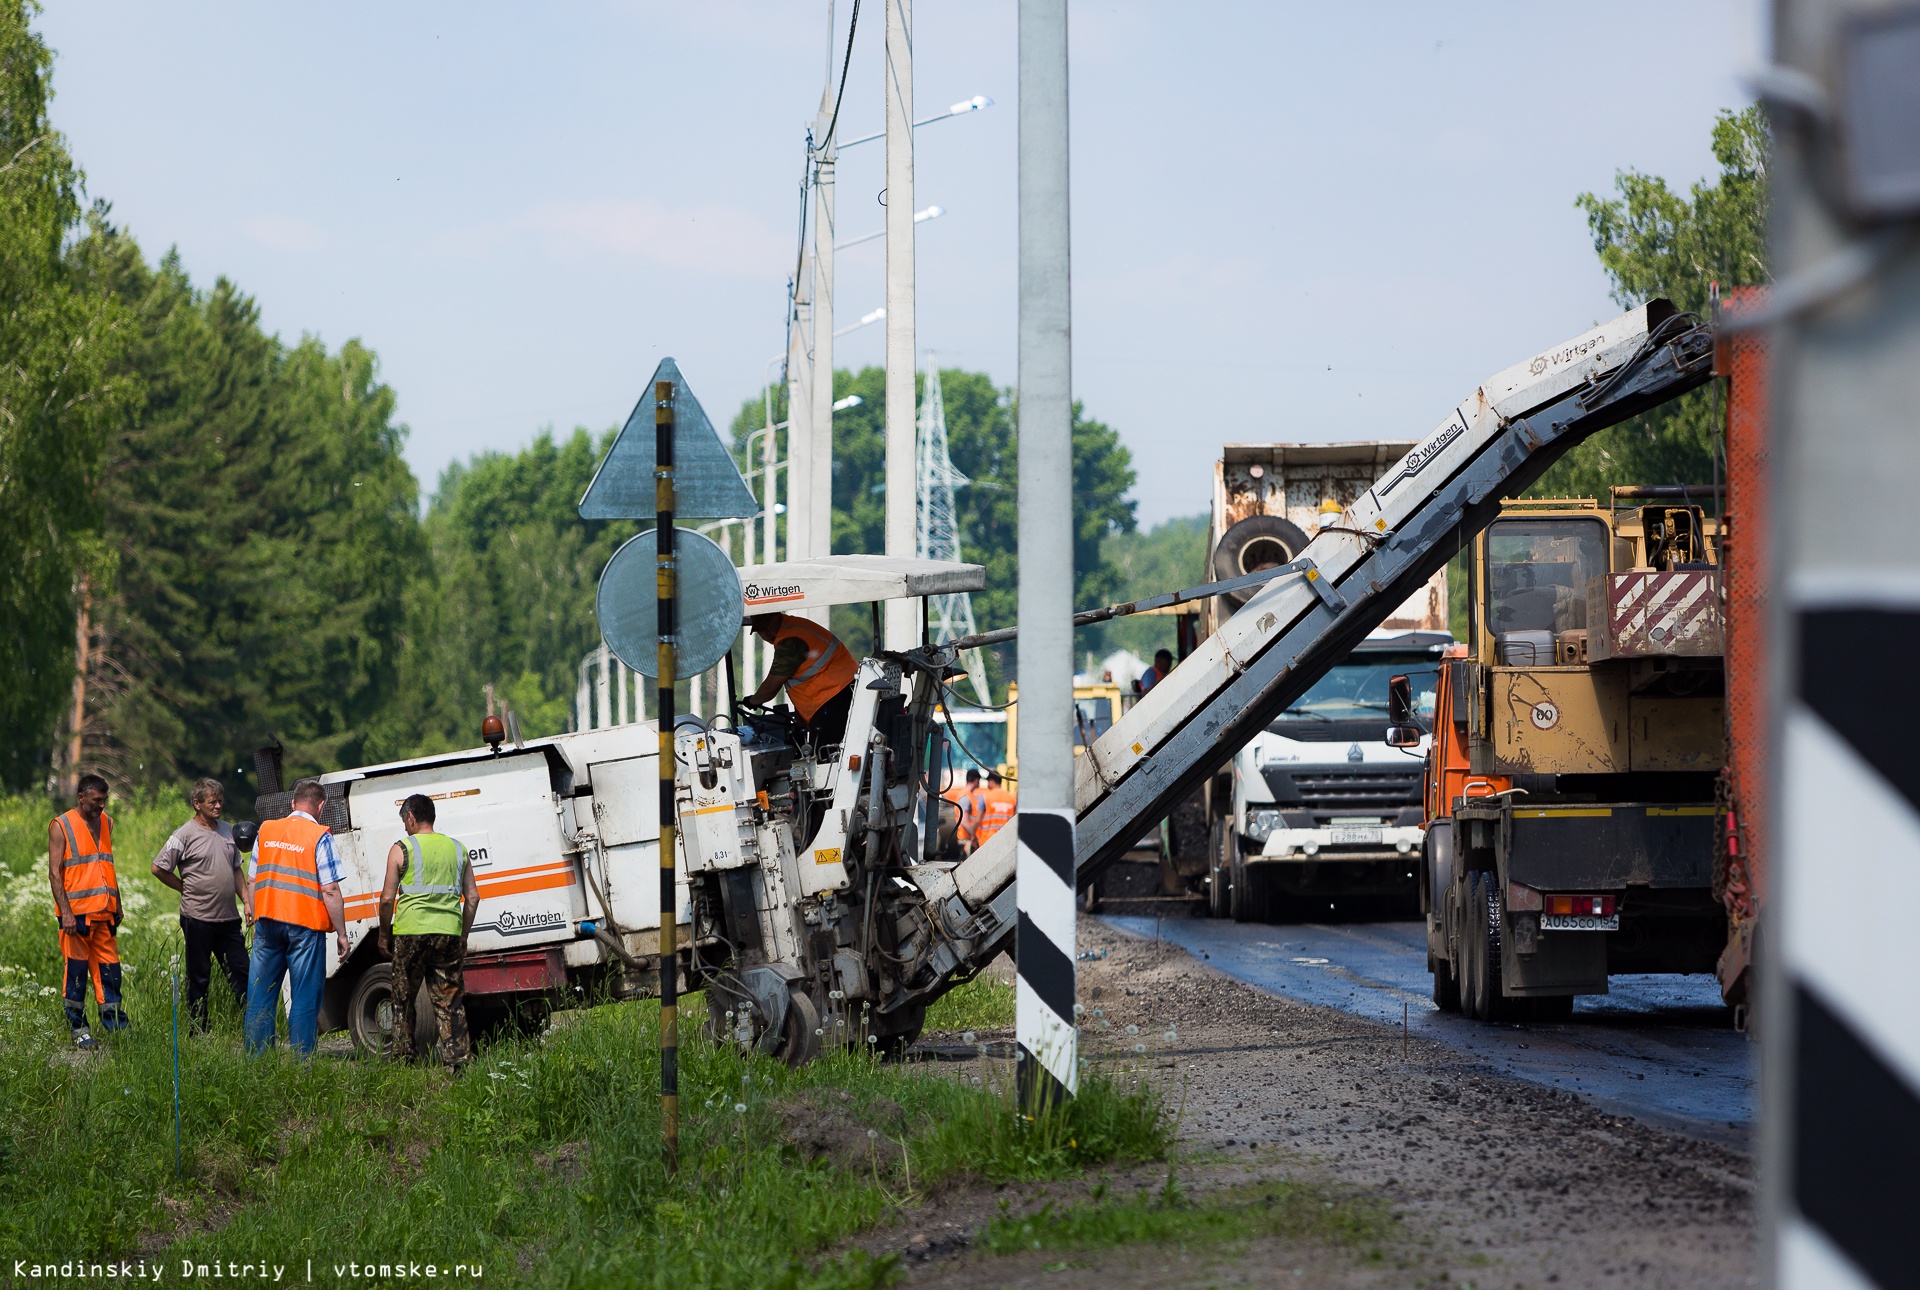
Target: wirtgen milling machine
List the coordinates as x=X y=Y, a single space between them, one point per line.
x=815 y=908
x=1570 y=787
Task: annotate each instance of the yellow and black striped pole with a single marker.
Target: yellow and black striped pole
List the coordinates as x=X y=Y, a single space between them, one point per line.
x=663 y=501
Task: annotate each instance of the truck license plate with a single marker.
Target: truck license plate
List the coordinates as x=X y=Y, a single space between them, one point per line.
x=1341 y=836
x=1579 y=923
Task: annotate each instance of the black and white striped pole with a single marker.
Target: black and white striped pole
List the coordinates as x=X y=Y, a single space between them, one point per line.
x=668 y=596
x=1043 y=942
x=1840 y=960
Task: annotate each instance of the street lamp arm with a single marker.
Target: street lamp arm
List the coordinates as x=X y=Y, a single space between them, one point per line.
x=966 y=107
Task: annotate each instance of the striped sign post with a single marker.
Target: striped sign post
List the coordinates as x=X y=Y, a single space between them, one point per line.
x=1840 y=956
x=1043 y=958
x=1043 y=938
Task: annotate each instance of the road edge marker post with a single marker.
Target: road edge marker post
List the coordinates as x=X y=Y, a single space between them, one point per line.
x=1048 y=1051
x=663 y=502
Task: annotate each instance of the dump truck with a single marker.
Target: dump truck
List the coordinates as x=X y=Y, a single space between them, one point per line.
x=1315 y=808
x=1570 y=786
x=814 y=910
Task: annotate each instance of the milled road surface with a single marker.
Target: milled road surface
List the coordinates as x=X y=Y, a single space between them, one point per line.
x=1659 y=1048
x=1495 y=1180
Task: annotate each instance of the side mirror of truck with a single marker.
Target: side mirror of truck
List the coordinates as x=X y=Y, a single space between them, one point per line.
x=1402 y=731
x=1399 y=701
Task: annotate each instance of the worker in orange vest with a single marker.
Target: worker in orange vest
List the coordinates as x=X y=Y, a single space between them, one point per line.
x=967 y=799
x=296 y=900
x=86 y=895
x=816 y=669
x=998 y=811
x=973 y=809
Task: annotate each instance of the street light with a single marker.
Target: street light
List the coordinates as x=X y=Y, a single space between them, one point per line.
x=919 y=217
x=866 y=320
x=964 y=107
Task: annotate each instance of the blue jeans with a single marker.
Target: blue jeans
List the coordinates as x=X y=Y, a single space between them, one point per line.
x=279 y=949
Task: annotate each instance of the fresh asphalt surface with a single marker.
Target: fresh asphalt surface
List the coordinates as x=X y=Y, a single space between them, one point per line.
x=1659 y=1048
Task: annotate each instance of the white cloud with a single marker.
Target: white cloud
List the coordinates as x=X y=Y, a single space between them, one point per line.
x=286 y=233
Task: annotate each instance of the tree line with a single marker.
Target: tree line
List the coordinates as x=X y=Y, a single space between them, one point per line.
x=209 y=537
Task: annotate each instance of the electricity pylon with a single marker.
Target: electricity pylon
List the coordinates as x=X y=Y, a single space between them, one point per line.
x=937 y=528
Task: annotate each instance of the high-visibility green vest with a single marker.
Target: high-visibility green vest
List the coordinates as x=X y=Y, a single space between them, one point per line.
x=429 y=903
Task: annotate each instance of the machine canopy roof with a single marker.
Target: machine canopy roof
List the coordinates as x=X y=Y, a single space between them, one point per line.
x=851 y=580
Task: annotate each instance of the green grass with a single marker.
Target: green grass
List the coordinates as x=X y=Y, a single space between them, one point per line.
x=980 y=1004
x=542 y=1162
x=1283 y=1209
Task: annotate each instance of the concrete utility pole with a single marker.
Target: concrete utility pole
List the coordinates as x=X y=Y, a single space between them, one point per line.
x=1043 y=948
x=903 y=616
x=1839 y=1015
x=819 y=455
x=800 y=445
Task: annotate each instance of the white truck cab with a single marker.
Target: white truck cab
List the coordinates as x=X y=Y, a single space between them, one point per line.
x=1322 y=806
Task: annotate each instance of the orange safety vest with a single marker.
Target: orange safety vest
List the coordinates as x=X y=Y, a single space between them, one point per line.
x=87 y=874
x=828 y=669
x=286 y=873
x=999 y=810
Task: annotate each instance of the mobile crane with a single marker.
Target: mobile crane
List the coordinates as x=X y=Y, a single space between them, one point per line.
x=815 y=912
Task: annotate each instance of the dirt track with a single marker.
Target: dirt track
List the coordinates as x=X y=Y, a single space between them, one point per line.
x=1496 y=1182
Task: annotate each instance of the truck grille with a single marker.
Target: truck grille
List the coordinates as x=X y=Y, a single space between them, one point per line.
x=1327 y=791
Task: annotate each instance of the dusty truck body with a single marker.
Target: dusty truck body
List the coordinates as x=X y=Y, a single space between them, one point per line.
x=1570 y=786
x=1315 y=806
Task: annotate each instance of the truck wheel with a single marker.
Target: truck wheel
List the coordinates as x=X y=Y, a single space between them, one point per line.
x=1446 y=987
x=800 y=1042
x=1247 y=897
x=1472 y=963
x=1255 y=543
x=1219 y=877
x=370 y=1011
x=370 y=1015
x=1490 y=1002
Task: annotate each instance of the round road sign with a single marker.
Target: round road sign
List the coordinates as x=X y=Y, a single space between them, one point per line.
x=710 y=605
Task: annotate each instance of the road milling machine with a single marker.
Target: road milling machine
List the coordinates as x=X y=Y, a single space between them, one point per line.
x=814 y=912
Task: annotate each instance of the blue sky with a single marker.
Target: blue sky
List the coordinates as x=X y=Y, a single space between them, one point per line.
x=1290 y=222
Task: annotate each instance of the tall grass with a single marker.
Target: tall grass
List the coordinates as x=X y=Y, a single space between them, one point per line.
x=541 y=1162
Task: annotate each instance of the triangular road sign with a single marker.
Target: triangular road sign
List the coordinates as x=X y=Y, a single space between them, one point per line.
x=706 y=483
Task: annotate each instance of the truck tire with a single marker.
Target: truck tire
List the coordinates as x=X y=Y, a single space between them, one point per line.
x=1472 y=963
x=1255 y=543
x=1446 y=987
x=370 y=1016
x=800 y=1032
x=1489 y=1001
x=1248 y=895
x=1219 y=877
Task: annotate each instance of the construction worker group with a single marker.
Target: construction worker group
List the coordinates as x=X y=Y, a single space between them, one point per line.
x=289 y=892
x=985 y=809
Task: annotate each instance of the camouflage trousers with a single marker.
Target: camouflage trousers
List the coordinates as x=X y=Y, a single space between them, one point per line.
x=435 y=962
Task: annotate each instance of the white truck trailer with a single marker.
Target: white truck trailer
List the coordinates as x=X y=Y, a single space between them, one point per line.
x=815 y=914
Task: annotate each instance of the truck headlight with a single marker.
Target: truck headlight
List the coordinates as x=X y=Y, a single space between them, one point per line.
x=1262 y=823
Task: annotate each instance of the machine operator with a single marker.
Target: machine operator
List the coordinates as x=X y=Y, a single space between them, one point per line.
x=816 y=669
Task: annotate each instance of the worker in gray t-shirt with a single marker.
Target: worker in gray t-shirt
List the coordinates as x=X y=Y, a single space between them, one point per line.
x=201 y=862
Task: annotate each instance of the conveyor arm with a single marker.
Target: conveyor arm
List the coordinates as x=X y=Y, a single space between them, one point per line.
x=1495 y=444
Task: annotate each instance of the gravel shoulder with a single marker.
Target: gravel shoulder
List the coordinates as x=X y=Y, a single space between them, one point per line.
x=1494 y=1182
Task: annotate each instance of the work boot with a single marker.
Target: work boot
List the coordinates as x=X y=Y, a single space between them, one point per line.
x=83 y=1040
x=113 y=1017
